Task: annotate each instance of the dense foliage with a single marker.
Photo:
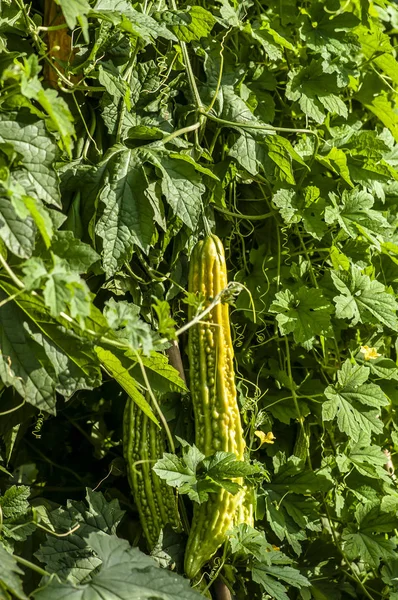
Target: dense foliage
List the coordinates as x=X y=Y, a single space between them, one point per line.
x=275 y=125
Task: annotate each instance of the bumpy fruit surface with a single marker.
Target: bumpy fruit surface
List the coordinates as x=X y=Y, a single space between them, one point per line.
x=217 y=418
x=143 y=445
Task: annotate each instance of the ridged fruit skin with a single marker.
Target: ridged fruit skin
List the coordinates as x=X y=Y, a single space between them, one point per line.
x=212 y=383
x=245 y=508
x=143 y=443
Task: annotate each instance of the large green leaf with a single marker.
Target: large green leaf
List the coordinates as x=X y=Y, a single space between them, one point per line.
x=17 y=234
x=71 y=360
x=73 y=558
x=114 y=366
x=127 y=216
x=305 y=313
x=28 y=135
x=364 y=300
x=181 y=186
x=23 y=362
x=366 y=540
x=125 y=574
x=352 y=402
x=10 y=575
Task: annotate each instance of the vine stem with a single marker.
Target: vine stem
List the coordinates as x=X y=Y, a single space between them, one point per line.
x=295 y=400
x=256 y=127
x=11 y=273
x=11 y=410
x=207 y=310
x=52 y=27
x=188 y=67
x=300 y=237
x=155 y=403
x=220 y=73
x=222 y=591
x=32 y=566
x=179 y=132
x=229 y=213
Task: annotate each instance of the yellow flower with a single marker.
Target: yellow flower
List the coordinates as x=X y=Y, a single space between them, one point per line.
x=276 y=548
x=369 y=353
x=266 y=438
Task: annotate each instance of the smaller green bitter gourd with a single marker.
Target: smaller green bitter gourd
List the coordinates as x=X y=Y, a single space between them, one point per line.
x=143 y=445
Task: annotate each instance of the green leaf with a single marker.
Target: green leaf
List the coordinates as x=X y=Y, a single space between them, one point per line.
x=73 y=359
x=123 y=318
x=129 y=20
x=166 y=324
x=28 y=135
x=315 y=91
x=23 y=363
x=369 y=461
x=272 y=587
x=376 y=46
x=162 y=376
x=366 y=539
x=182 y=472
x=374 y=96
x=290 y=476
x=17 y=234
x=127 y=216
x=41 y=218
x=349 y=402
x=248 y=153
x=325 y=35
x=115 y=85
x=308 y=207
x=355 y=215
x=75 y=12
x=246 y=540
x=268 y=577
x=181 y=186
x=16 y=515
x=65 y=291
x=305 y=313
x=125 y=574
x=271 y=41
x=10 y=575
x=281 y=152
x=115 y=551
x=363 y=300
x=224 y=465
x=339 y=260
x=60 y=117
x=80 y=256
x=14 y=503
x=381 y=367
x=71 y=557
x=27 y=206
x=115 y=368
x=336 y=161
x=195 y=23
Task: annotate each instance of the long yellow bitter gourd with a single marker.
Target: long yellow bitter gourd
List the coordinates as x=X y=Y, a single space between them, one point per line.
x=143 y=445
x=217 y=418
